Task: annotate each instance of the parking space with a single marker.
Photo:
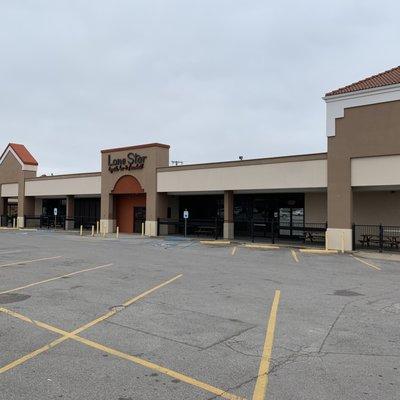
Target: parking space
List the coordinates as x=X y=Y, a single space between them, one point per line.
x=100 y=318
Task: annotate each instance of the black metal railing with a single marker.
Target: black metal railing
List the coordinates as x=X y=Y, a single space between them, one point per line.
x=59 y=222
x=7 y=220
x=378 y=237
x=85 y=221
x=274 y=230
x=195 y=227
x=45 y=221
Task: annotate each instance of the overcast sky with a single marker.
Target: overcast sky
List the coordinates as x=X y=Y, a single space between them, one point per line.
x=215 y=79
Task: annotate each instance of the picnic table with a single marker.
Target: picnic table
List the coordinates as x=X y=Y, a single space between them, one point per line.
x=205 y=230
x=313 y=236
x=391 y=240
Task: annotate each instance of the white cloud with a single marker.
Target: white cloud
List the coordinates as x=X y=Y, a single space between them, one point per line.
x=215 y=79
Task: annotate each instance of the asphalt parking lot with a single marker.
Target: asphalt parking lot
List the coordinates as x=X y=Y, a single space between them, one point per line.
x=101 y=318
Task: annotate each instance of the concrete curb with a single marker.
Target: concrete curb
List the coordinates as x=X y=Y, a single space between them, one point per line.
x=216 y=242
x=261 y=246
x=377 y=256
x=319 y=251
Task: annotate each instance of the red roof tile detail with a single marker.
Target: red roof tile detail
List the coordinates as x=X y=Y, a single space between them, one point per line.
x=390 y=77
x=23 y=153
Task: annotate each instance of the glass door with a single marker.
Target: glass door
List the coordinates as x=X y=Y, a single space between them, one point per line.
x=284 y=220
x=297 y=221
x=139 y=217
x=291 y=218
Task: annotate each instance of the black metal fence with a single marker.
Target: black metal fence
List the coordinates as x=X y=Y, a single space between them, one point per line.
x=274 y=231
x=86 y=222
x=59 y=222
x=376 y=237
x=212 y=227
x=45 y=221
x=7 y=220
x=258 y=229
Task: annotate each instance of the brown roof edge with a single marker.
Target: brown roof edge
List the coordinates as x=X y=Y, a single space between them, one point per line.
x=386 y=78
x=253 y=161
x=139 y=146
x=65 y=176
x=22 y=152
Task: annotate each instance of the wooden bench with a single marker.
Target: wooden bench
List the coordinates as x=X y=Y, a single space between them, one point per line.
x=205 y=230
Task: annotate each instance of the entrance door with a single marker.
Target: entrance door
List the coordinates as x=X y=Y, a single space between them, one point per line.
x=139 y=217
x=292 y=218
x=126 y=204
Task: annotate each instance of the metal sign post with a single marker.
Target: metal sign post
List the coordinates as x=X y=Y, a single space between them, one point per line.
x=185 y=217
x=55 y=217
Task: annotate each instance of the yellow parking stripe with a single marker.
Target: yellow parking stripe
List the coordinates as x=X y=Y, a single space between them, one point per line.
x=29 y=261
x=166 y=371
x=262 y=380
x=67 y=335
x=294 y=255
x=33 y=354
x=126 y=304
x=57 y=277
x=139 y=361
x=109 y=350
x=367 y=263
x=234 y=250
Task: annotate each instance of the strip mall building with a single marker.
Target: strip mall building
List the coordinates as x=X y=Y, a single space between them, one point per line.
x=356 y=181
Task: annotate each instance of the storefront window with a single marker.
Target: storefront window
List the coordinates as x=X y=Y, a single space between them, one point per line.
x=285 y=209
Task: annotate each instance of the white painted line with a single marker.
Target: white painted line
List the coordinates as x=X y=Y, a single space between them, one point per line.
x=29 y=261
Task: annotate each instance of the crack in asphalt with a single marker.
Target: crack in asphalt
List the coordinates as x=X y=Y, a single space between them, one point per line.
x=153 y=334
x=236 y=387
x=332 y=326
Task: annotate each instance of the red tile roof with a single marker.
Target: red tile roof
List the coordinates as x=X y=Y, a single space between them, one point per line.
x=23 y=153
x=390 y=77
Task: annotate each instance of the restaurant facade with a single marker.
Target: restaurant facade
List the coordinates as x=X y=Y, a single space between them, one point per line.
x=323 y=196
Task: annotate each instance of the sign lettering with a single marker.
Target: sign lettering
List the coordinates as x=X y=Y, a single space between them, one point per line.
x=130 y=162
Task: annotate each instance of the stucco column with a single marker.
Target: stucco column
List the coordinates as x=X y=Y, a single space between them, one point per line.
x=28 y=209
x=70 y=213
x=3 y=209
x=26 y=205
x=2 y=205
x=228 y=215
x=156 y=207
x=107 y=221
x=340 y=201
x=21 y=204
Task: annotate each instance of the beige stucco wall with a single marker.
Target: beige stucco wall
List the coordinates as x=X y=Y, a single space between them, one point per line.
x=375 y=171
x=156 y=203
x=64 y=186
x=11 y=172
x=315 y=207
x=9 y=190
x=366 y=131
x=38 y=206
x=285 y=175
x=377 y=207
